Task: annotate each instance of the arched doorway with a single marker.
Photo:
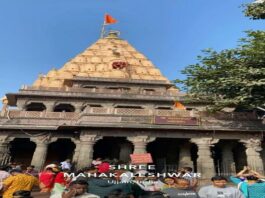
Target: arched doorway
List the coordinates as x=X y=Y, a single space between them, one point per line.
x=64 y=108
x=22 y=150
x=113 y=148
x=35 y=106
x=60 y=150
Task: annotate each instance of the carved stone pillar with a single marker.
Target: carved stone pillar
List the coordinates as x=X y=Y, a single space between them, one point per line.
x=21 y=105
x=40 y=153
x=140 y=143
x=4 y=149
x=185 y=156
x=253 y=148
x=228 y=162
x=49 y=107
x=205 y=162
x=125 y=151
x=78 y=108
x=76 y=151
x=85 y=156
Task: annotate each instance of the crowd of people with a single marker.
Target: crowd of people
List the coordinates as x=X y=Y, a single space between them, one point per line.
x=58 y=181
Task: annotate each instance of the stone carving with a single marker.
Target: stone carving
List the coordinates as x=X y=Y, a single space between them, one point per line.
x=252 y=143
x=5 y=139
x=4 y=149
x=88 y=137
x=141 y=139
x=253 y=148
x=119 y=65
x=204 y=141
x=43 y=139
x=140 y=143
x=5 y=106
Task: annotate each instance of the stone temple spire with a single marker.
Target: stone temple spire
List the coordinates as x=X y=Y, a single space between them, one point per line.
x=109 y=57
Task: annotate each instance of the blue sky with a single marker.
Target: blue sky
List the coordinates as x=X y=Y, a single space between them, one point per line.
x=36 y=36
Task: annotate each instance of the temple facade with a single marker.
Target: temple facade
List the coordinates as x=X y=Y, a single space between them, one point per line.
x=111 y=101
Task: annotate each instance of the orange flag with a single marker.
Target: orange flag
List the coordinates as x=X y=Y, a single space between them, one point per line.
x=109 y=19
x=178 y=105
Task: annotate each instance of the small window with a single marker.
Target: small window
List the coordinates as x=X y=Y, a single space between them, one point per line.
x=149 y=91
x=35 y=106
x=126 y=89
x=95 y=105
x=114 y=89
x=64 y=108
x=167 y=108
x=91 y=88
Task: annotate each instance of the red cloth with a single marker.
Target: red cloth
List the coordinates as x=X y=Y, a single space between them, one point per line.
x=60 y=178
x=104 y=167
x=47 y=178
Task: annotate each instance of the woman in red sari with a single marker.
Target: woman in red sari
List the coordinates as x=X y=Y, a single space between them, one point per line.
x=60 y=183
x=46 y=178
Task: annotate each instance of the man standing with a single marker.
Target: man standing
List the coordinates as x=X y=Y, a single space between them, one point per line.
x=182 y=190
x=78 y=189
x=189 y=175
x=31 y=171
x=219 y=189
x=18 y=181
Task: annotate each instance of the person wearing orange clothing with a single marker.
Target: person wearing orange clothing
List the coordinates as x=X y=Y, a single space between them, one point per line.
x=18 y=181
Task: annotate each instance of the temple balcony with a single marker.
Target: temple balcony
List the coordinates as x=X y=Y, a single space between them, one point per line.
x=129 y=117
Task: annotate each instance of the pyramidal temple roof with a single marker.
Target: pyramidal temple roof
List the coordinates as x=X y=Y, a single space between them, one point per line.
x=109 y=57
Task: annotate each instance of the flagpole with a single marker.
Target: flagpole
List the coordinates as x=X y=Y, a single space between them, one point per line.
x=107 y=21
x=103 y=30
x=103 y=27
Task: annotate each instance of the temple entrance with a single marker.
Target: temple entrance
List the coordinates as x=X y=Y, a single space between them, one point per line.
x=229 y=157
x=240 y=156
x=217 y=159
x=113 y=148
x=165 y=154
x=21 y=150
x=60 y=150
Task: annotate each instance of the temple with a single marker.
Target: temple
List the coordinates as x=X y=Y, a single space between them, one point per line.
x=111 y=101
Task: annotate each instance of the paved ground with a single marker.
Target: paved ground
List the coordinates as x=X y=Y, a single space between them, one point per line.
x=40 y=195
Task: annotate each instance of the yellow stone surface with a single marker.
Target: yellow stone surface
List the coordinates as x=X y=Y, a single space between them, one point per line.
x=97 y=61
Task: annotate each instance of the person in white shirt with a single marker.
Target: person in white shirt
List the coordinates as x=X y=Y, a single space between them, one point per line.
x=219 y=189
x=66 y=164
